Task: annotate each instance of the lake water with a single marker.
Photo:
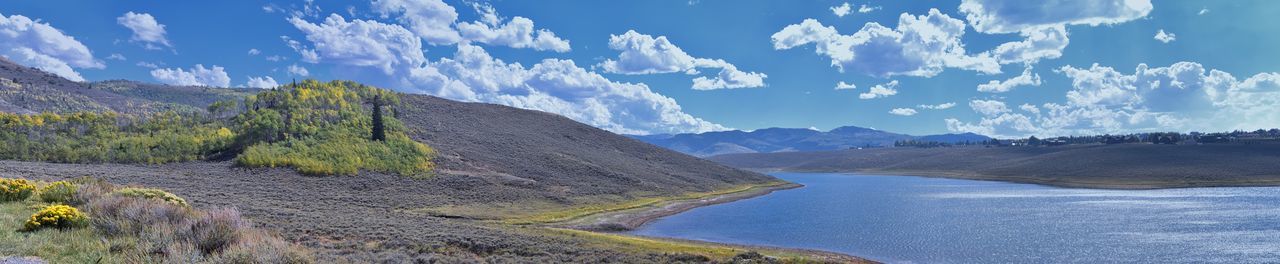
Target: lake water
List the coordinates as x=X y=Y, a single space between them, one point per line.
x=904 y=219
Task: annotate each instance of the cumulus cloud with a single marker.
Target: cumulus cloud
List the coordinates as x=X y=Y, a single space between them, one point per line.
x=1203 y=11
x=645 y=54
x=261 y=82
x=845 y=86
x=941 y=106
x=198 y=76
x=117 y=56
x=842 y=9
x=436 y=22
x=391 y=56
x=997 y=86
x=147 y=65
x=40 y=45
x=1165 y=37
x=430 y=19
x=880 y=91
x=903 y=111
x=919 y=46
x=1043 y=24
x=1013 y=16
x=145 y=30
x=519 y=32
x=254 y=52
x=296 y=70
x=1181 y=97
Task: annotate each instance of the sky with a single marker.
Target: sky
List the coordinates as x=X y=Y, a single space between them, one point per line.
x=1005 y=68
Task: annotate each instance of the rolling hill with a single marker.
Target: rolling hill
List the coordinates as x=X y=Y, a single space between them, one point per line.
x=29 y=90
x=770 y=140
x=494 y=162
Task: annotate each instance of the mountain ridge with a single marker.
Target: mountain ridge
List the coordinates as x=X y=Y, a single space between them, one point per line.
x=775 y=139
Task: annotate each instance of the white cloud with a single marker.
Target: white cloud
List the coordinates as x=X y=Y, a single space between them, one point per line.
x=254 y=52
x=389 y=48
x=1165 y=37
x=296 y=70
x=436 y=22
x=147 y=65
x=941 y=106
x=1026 y=78
x=988 y=107
x=880 y=91
x=920 y=46
x=40 y=45
x=845 y=86
x=1043 y=24
x=644 y=54
x=903 y=111
x=842 y=9
x=262 y=82
x=1040 y=43
x=1013 y=16
x=145 y=29
x=430 y=19
x=198 y=76
x=867 y=9
x=1202 y=11
x=1030 y=108
x=275 y=58
x=1181 y=97
x=117 y=56
x=390 y=56
x=517 y=33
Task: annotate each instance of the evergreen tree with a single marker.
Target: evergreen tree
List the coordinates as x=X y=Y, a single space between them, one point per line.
x=379 y=130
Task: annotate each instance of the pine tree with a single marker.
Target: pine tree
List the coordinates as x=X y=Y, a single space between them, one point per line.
x=379 y=130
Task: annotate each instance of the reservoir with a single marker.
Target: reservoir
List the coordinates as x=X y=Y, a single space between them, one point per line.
x=905 y=219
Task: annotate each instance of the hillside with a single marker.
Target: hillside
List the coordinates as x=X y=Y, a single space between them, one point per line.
x=789 y=140
x=29 y=90
x=499 y=174
x=1120 y=166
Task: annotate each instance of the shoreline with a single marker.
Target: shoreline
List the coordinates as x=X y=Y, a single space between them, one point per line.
x=630 y=219
x=1060 y=183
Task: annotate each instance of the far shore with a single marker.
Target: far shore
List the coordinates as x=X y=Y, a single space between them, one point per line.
x=1062 y=183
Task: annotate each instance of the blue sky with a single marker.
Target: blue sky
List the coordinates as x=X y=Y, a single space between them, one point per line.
x=687 y=66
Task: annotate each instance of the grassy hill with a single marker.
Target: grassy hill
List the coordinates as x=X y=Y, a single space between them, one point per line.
x=498 y=173
x=1121 y=166
x=28 y=90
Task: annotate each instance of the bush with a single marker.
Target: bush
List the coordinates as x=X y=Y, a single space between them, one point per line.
x=15 y=189
x=218 y=229
x=148 y=193
x=56 y=216
x=58 y=192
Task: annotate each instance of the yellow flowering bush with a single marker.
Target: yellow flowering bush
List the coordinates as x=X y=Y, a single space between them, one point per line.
x=148 y=193
x=56 y=216
x=15 y=189
x=58 y=192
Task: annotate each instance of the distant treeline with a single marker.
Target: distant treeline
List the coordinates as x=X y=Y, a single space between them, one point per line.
x=1238 y=136
x=318 y=128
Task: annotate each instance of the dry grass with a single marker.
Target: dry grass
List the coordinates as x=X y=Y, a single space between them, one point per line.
x=592 y=209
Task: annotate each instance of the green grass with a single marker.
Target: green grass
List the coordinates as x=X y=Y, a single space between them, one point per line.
x=80 y=245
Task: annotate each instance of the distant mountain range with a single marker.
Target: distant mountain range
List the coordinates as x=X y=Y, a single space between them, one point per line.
x=770 y=140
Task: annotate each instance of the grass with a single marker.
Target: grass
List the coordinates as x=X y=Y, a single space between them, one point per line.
x=636 y=244
x=592 y=209
x=80 y=245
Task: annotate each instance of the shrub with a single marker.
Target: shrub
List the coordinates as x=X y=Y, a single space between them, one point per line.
x=148 y=193
x=58 y=192
x=217 y=229
x=56 y=216
x=15 y=189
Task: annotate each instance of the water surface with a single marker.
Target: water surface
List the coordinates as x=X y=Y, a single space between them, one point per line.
x=932 y=220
